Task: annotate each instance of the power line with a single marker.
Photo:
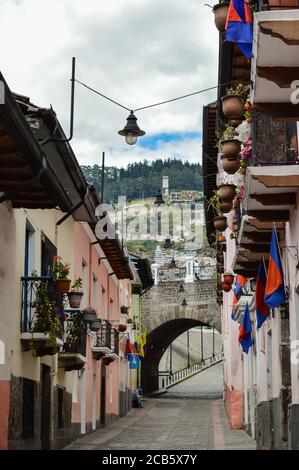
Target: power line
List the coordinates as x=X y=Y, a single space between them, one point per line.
x=160 y=102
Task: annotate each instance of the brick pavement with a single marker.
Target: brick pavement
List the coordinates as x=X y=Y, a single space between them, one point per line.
x=190 y=416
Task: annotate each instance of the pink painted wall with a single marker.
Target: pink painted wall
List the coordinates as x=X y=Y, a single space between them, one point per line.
x=89 y=254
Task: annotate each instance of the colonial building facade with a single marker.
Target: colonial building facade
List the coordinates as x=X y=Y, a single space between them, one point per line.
x=63 y=371
x=248 y=192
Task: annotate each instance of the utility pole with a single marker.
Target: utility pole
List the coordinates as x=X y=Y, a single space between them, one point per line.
x=103 y=178
x=201 y=341
x=213 y=342
x=188 y=348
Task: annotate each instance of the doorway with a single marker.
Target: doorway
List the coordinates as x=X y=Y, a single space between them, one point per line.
x=103 y=395
x=45 y=407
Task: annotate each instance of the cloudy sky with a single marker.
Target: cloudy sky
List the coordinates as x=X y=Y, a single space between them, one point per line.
x=135 y=51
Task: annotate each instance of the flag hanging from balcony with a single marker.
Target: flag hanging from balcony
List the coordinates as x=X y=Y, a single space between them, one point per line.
x=238 y=292
x=239 y=26
x=262 y=309
x=245 y=338
x=275 y=291
x=128 y=348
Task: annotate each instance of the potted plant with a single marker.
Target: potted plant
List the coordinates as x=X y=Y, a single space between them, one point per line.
x=47 y=317
x=227 y=192
x=220 y=223
x=229 y=145
x=96 y=325
x=230 y=164
x=228 y=278
x=226 y=287
x=221 y=10
x=60 y=272
x=225 y=207
x=233 y=103
x=75 y=295
x=74 y=328
x=122 y=328
x=89 y=315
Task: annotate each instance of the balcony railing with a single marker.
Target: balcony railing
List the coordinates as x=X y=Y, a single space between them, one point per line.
x=274 y=142
x=263 y=5
x=41 y=302
x=103 y=339
x=78 y=344
x=115 y=341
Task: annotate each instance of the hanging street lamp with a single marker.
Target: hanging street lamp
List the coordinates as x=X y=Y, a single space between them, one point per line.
x=131 y=131
x=184 y=303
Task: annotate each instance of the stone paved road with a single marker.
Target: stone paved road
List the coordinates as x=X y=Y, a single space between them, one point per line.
x=190 y=416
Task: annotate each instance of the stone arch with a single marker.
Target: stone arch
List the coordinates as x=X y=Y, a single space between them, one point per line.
x=164 y=318
x=158 y=340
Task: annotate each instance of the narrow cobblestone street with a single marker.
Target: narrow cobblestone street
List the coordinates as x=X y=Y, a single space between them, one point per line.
x=190 y=416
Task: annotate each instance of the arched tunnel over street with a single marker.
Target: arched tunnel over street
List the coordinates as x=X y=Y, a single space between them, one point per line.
x=165 y=318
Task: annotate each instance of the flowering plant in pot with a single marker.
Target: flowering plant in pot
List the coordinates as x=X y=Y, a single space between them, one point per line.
x=220 y=223
x=229 y=144
x=74 y=328
x=227 y=192
x=60 y=272
x=221 y=10
x=226 y=287
x=76 y=294
x=228 y=278
x=233 y=103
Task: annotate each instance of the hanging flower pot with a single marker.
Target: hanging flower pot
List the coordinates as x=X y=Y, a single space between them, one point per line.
x=230 y=164
x=221 y=10
x=96 y=325
x=234 y=122
x=89 y=315
x=63 y=285
x=228 y=278
x=122 y=328
x=227 y=192
x=226 y=287
x=220 y=223
x=233 y=106
x=231 y=148
x=225 y=207
x=75 y=299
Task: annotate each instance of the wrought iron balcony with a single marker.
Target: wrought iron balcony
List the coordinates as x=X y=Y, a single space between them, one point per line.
x=41 y=320
x=106 y=343
x=274 y=142
x=40 y=303
x=115 y=341
x=73 y=354
x=103 y=337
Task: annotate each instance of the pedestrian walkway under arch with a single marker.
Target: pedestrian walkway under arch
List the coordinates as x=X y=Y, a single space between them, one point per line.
x=165 y=318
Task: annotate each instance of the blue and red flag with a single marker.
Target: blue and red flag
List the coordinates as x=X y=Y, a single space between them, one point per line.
x=239 y=26
x=238 y=292
x=128 y=348
x=245 y=338
x=262 y=309
x=275 y=292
